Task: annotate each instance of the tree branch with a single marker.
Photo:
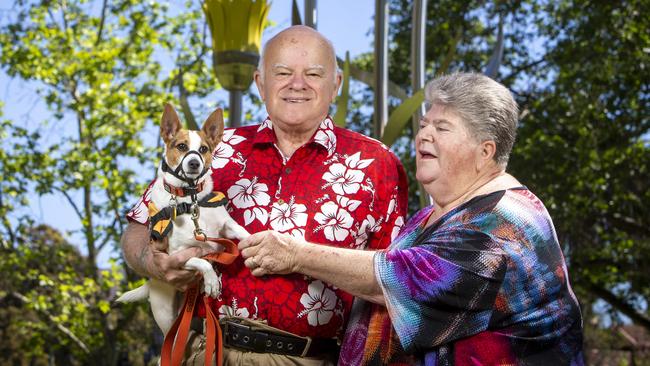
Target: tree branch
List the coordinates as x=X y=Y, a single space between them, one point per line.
x=58 y=325
x=621 y=305
x=74 y=205
x=101 y=23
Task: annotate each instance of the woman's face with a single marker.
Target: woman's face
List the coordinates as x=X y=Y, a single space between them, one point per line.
x=446 y=153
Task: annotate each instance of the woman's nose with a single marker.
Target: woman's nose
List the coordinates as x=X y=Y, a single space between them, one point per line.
x=425 y=135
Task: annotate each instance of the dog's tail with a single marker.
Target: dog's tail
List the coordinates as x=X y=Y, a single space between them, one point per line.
x=134 y=295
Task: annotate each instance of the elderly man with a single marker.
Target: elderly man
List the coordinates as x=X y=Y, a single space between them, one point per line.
x=297 y=174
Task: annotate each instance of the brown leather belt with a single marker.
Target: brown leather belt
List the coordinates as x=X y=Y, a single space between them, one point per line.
x=243 y=337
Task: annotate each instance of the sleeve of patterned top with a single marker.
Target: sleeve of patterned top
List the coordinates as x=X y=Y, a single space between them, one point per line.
x=442 y=288
x=391 y=202
x=139 y=212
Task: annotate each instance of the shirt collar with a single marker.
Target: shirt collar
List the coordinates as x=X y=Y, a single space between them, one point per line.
x=323 y=136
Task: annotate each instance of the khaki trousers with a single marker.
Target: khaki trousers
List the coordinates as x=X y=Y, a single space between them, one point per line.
x=195 y=354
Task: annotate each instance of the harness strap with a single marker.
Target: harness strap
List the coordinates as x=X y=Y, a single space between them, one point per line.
x=175 y=341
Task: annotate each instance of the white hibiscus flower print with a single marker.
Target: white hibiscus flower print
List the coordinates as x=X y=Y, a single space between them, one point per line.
x=140 y=211
x=265 y=124
x=319 y=303
x=346 y=178
x=369 y=225
x=248 y=193
x=399 y=223
x=233 y=310
x=350 y=205
x=221 y=155
x=230 y=137
x=326 y=138
x=335 y=221
x=288 y=216
x=298 y=233
x=224 y=151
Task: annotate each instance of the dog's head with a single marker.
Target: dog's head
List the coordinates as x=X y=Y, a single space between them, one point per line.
x=188 y=153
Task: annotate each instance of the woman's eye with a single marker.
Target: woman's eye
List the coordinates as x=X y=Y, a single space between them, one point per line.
x=203 y=149
x=181 y=147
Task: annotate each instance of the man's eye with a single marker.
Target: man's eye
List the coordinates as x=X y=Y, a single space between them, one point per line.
x=181 y=147
x=441 y=129
x=203 y=149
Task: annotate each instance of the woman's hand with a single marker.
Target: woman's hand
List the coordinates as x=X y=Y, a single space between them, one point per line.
x=269 y=252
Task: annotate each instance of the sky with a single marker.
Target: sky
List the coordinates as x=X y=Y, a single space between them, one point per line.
x=349 y=30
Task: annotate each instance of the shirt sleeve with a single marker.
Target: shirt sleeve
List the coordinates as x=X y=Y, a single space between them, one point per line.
x=140 y=212
x=392 y=202
x=442 y=288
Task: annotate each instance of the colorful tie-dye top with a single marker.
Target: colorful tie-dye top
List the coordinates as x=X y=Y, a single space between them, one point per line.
x=484 y=285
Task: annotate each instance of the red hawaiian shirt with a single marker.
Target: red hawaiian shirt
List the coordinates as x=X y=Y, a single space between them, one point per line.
x=341 y=188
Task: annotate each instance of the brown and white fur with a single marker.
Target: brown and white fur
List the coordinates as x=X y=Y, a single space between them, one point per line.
x=192 y=151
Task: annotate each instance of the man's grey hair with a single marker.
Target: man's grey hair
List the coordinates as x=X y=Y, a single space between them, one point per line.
x=328 y=43
x=486 y=107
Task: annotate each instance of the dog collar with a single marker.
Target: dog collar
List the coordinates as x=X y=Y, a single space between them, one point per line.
x=183 y=191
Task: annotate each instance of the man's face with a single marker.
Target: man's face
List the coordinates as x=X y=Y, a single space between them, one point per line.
x=299 y=81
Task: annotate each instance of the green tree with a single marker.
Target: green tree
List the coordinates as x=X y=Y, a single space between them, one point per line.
x=98 y=68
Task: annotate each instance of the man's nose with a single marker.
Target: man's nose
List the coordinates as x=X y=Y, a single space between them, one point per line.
x=298 y=81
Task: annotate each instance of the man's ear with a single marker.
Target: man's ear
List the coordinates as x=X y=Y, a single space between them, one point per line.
x=338 y=80
x=170 y=124
x=213 y=127
x=259 y=82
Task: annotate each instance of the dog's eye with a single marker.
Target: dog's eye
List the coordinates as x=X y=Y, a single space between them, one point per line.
x=203 y=149
x=181 y=147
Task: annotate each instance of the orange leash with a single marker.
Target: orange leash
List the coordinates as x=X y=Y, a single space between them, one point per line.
x=173 y=348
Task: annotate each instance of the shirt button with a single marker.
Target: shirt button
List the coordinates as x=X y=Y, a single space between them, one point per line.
x=280 y=201
x=288 y=170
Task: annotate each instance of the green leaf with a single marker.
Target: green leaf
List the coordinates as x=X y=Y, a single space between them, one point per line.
x=342 y=103
x=400 y=117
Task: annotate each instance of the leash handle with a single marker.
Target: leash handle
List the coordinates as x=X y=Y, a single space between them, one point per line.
x=177 y=334
x=175 y=341
x=229 y=254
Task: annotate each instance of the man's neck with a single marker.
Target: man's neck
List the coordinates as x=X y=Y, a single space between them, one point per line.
x=290 y=140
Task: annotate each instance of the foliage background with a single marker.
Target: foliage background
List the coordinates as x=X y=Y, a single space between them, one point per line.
x=579 y=70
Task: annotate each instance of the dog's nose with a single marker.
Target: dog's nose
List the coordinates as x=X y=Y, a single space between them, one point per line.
x=194 y=164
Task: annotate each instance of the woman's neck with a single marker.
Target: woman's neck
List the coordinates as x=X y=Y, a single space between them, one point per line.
x=494 y=181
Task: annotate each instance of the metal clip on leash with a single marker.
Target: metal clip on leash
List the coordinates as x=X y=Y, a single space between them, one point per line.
x=194 y=210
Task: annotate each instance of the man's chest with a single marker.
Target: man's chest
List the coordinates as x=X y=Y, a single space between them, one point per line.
x=313 y=195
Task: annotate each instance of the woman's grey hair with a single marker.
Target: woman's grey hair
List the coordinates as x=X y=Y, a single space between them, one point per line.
x=487 y=108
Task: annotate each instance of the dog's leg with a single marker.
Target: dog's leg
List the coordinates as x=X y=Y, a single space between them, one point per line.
x=211 y=282
x=164 y=307
x=233 y=230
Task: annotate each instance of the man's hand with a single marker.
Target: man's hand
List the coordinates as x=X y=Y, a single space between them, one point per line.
x=170 y=268
x=150 y=259
x=269 y=252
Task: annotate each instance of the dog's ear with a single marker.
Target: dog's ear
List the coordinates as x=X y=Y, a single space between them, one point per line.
x=170 y=124
x=213 y=127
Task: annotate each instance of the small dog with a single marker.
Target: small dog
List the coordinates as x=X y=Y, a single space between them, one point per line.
x=183 y=184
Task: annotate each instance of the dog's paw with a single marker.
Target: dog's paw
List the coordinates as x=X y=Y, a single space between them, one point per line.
x=212 y=285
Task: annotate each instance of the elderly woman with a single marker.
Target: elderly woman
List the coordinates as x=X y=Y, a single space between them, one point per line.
x=477 y=278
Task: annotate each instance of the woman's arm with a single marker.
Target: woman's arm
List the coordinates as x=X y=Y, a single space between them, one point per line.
x=351 y=270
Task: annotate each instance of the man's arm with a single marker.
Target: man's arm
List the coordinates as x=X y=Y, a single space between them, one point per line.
x=151 y=260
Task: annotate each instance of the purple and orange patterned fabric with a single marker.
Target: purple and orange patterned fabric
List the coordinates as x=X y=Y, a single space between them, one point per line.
x=486 y=284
